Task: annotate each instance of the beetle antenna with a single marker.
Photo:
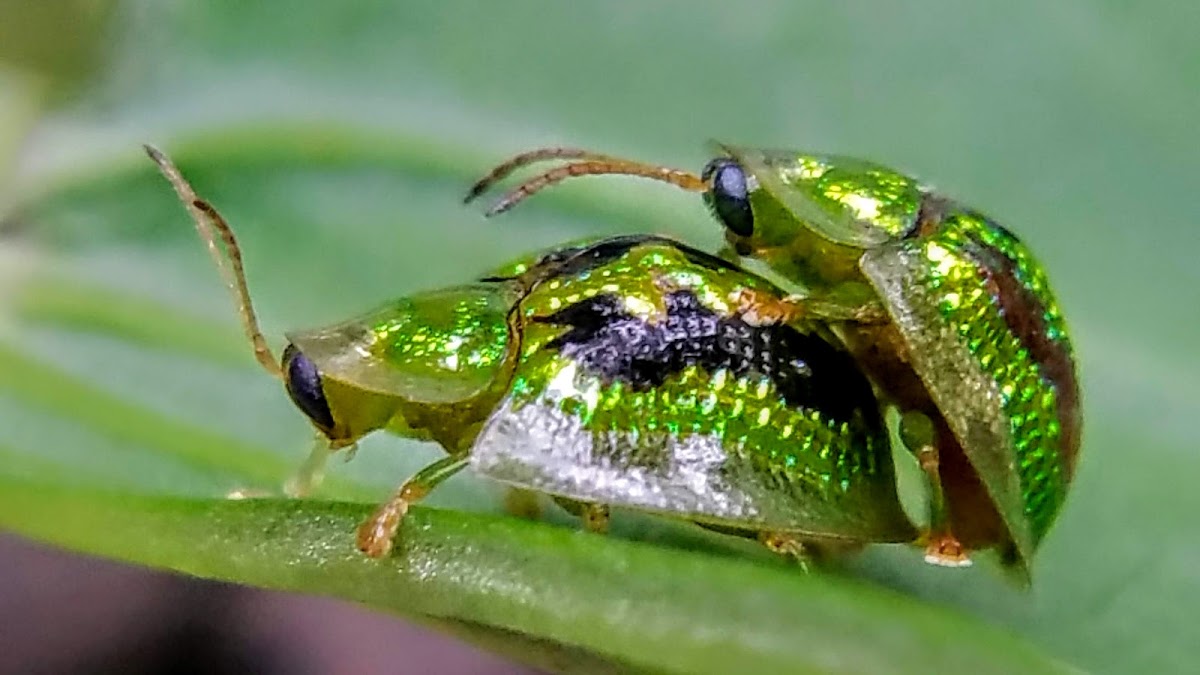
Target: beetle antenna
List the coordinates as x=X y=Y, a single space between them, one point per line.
x=227 y=255
x=677 y=177
x=507 y=167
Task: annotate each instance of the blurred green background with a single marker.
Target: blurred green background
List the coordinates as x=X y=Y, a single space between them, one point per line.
x=338 y=138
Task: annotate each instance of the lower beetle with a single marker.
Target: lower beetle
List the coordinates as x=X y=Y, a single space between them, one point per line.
x=616 y=373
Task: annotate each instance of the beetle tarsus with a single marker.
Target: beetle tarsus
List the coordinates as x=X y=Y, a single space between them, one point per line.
x=944 y=550
x=376 y=534
x=787 y=545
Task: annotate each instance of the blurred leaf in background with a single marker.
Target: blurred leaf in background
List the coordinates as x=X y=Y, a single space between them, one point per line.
x=338 y=139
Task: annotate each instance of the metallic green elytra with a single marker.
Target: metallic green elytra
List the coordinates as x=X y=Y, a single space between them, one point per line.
x=948 y=312
x=620 y=373
x=640 y=385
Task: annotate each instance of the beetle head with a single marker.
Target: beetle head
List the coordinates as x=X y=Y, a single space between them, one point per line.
x=809 y=204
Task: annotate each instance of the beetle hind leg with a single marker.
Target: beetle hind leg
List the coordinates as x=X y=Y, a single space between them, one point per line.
x=594 y=516
x=375 y=535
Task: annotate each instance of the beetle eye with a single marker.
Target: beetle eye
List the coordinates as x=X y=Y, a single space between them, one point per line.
x=728 y=195
x=304 y=387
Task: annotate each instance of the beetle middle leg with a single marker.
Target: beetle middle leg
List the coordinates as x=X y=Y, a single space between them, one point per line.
x=920 y=435
x=375 y=535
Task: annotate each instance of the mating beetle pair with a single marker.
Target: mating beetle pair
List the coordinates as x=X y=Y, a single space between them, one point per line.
x=639 y=372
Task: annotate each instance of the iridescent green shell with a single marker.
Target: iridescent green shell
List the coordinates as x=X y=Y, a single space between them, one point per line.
x=982 y=327
x=620 y=373
x=429 y=366
x=438 y=346
x=638 y=386
x=987 y=338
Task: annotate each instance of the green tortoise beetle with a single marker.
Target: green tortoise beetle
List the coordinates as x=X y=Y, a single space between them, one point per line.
x=616 y=373
x=948 y=312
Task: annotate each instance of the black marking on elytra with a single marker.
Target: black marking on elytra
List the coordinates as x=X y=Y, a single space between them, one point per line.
x=807 y=371
x=1024 y=314
x=303 y=383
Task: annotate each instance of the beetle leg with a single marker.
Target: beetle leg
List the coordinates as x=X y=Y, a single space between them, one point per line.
x=760 y=309
x=522 y=503
x=828 y=308
x=787 y=545
x=310 y=474
x=764 y=309
x=594 y=516
x=375 y=535
x=941 y=546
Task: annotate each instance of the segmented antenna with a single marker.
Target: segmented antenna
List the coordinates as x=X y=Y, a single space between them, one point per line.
x=507 y=167
x=589 y=164
x=227 y=255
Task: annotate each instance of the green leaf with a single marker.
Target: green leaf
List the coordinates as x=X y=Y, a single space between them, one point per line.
x=338 y=139
x=641 y=605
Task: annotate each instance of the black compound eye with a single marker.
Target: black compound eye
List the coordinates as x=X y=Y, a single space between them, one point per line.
x=729 y=196
x=304 y=387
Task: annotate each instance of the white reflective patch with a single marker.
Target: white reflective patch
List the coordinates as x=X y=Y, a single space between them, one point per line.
x=543 y=448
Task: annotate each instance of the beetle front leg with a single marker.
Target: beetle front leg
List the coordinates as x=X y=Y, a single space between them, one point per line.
x=312 y=472
x=760 y=309
x=942 y=548
x=375 y=535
